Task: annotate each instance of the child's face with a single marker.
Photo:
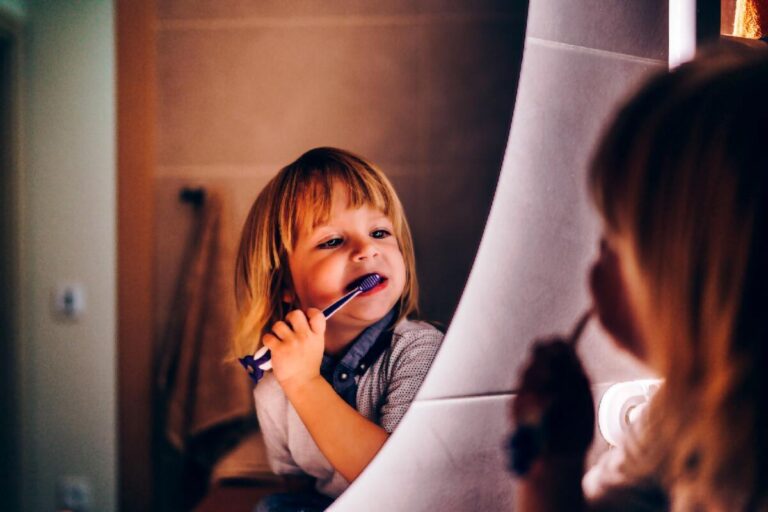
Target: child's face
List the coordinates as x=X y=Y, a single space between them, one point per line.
x=620 y=295
x=330 y=257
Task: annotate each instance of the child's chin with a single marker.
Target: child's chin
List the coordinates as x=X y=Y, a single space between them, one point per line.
x=371 y=314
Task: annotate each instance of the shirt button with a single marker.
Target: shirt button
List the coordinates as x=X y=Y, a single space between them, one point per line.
x=344 y=376
x=362 y=366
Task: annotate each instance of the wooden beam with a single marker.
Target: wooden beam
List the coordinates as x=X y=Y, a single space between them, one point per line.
x=135 y=246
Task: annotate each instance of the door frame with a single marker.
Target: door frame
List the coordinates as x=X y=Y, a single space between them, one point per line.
x=10 y=266
x=135 y=40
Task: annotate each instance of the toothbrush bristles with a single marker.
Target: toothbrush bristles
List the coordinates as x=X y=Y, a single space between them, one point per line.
x=369 y=282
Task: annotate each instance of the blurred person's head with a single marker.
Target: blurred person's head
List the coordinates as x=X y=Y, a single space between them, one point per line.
x=681 y=181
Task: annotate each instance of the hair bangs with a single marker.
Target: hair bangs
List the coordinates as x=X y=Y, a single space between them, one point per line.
x=308 y=196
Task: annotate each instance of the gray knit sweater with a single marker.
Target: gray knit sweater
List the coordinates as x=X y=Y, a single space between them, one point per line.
x=385 y=391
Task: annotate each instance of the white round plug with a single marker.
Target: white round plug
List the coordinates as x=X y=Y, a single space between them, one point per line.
x=622 y=405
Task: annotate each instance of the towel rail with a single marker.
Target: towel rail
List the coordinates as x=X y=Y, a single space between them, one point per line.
x=194 y=196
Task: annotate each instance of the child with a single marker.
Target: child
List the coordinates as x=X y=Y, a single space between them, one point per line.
x=682 y=185
x=339 y=387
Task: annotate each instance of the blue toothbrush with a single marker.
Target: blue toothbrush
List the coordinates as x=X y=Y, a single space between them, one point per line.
x=261 y=361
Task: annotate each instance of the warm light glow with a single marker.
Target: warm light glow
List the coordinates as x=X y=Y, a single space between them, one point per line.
x=750 y=19
x=682 y=31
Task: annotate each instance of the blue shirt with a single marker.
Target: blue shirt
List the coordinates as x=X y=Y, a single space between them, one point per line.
x=341 y=374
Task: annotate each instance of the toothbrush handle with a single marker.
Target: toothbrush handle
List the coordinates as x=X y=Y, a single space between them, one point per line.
x=333 y=308
x=261 y=361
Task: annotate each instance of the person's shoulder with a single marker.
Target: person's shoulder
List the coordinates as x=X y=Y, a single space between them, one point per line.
x=414 y=346
x=416 y=327
x=408 y=333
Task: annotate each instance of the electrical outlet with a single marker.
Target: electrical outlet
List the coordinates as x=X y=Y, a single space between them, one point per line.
x=68 y=301
x=73 y=494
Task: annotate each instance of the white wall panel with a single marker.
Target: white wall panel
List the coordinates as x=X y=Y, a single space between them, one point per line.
x=448 y=457
x=529 y=277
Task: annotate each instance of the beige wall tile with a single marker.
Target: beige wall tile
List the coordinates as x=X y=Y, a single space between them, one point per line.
x=185 y=9
x=495 y=7
x=176 y=222
x=454 y=198
x=265 y=95
x=471 y=70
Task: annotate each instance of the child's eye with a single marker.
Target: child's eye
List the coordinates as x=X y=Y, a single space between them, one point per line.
x=330 y=244
x=381 y=233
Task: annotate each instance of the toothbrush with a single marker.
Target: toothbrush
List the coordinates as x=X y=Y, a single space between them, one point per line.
x=528 y=440
x=261 y=361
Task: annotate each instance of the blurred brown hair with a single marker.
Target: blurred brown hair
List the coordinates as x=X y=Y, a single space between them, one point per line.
x=683 y=170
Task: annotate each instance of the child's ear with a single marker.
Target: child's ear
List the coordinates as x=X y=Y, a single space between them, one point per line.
x=286 y=283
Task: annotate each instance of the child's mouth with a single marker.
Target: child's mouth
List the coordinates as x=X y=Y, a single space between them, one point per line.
x=354 y=284
x=382 y=284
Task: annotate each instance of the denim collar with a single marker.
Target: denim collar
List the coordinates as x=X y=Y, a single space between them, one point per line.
x=341 y=374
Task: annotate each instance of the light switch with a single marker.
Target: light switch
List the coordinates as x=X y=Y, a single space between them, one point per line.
x=68 y=301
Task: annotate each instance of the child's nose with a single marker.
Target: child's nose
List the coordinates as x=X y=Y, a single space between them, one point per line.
x=365 y=250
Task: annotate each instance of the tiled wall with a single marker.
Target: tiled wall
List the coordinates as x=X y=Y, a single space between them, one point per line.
x=423 y=88
x=529 y=279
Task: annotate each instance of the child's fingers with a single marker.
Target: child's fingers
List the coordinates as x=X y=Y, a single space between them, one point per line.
x=554 y=397
x=282 y=330
x=298 y=321
x=528 y=407
x=316 y=320
x=270 y=341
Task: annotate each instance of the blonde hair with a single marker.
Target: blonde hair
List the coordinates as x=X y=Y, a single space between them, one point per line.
x=684 y=171
x=300 y=195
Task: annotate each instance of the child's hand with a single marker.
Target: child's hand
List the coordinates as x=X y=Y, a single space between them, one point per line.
x=553 y=410
x=297 y=347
